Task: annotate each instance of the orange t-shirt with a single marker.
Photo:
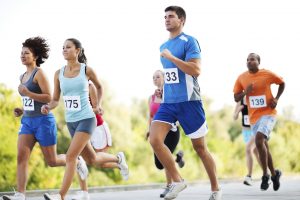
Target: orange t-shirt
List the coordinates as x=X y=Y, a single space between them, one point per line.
x=258 y=100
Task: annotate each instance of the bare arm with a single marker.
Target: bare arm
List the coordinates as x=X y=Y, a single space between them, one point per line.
x=56 y=95
x=91 y=75
x=191 y=67
x=149 y=119
x=237 y=110
x=93 y=97
x=279 y=93
x=239 y=96
x=43 y=83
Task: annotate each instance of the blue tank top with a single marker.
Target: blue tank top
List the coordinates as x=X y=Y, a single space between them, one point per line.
x=31 y=107
x=179 y=86
x=75 y=92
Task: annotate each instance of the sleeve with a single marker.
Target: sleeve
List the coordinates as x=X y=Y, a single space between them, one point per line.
x=192 y=49
x=238 y=86
x=275 y=78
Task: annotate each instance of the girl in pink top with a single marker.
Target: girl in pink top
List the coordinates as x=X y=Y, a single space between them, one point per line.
x=173 y=136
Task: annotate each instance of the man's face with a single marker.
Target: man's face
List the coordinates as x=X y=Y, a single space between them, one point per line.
x=252 y=62
x=172 y=22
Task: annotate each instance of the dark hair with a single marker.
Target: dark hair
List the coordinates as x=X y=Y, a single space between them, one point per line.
x=179 y=11
x=39 y=47
x=256 y=55
x=81 y=56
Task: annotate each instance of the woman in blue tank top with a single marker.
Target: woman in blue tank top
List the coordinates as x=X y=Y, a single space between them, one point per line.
x=35 y=127
x=72 y=82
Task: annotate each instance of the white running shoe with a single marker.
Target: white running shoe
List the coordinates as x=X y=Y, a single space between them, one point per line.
x=52 y=196
x=123 y=166
x=175 y=188
x=16 y=196
x=248 y=180
x=81 y=195
x=216 y=195
x=82 y=168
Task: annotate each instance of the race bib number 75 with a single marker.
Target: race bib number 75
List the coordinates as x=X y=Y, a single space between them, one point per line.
x=72 y=103
x=257 y=101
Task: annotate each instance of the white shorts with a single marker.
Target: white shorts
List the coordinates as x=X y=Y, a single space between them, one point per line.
x=101 y=137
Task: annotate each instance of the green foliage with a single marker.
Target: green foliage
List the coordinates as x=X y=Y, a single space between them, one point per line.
x=128 y=125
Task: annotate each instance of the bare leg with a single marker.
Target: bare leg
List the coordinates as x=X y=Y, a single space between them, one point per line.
x=262 y=150
x=168 y=177
x=270 y=160
x=158 y=132
x=255 y=152
x=78 y=142
x=249 y=147
x=52 y=158
x=26 y=143
x=201 y=148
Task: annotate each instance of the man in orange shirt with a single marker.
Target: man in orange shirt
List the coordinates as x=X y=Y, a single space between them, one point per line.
x=255 y=84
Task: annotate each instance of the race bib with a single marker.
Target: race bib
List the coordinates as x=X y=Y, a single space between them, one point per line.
x=28 y=104
x=246 y=120
x=72 y=103
x=257 y=101
x=171 y=76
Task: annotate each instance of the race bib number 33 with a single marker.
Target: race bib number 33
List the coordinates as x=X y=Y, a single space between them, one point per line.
x=257 y=101
x=171 y=75
x=72 y=103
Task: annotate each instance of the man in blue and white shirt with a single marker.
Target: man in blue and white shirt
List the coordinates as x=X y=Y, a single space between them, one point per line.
x=180 y=57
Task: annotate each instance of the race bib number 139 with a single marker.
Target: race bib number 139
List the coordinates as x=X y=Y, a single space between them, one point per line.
x=72 y=103
x=257 y=101
x=171 y=75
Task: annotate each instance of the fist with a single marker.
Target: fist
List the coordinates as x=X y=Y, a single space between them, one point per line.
x=23 y=89
x=45 y=109
x=18 y=112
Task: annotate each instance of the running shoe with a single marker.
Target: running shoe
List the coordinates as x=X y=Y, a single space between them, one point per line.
x=175 y=188
x=82 y=168
x=16 y=196
x=81 y=195
x=275 y=179
x=123 y=166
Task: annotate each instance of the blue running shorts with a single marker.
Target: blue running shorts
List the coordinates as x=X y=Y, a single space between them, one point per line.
x=85 y=125
x=42 y=127
x=190 y=115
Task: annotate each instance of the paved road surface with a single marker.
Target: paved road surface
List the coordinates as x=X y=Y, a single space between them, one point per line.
x=232 y=190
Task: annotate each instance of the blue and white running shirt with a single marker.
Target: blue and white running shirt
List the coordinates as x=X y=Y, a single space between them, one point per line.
x=179 y=86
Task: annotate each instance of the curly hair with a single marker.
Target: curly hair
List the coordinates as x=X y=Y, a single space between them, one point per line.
x=39 y=47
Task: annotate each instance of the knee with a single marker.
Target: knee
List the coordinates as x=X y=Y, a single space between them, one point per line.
x=259 y=140
x=51 y=162
x=201 y=149
x=22 y=157
x=155 y=142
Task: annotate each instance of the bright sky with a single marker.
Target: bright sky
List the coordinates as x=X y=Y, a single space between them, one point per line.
x=122 y=38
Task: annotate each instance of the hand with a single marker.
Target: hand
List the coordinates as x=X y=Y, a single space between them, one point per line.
x=23 y=90
x=273 y=103
x=249 y=89
x=166 y=54
x=158 y=93
x=98 y=110
x=147 y=135
x=45 y=109
x=18 y=112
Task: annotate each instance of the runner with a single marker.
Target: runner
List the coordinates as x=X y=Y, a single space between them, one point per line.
x=180 y=57
x=72 y=81
x=248 y=136
x=172 y=137
x=35 y=127
x=101 y=140
x=255 y=84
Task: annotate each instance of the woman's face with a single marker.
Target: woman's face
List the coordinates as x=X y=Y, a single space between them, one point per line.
x=158 y=79
x=27 y=57
x=70 y=52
